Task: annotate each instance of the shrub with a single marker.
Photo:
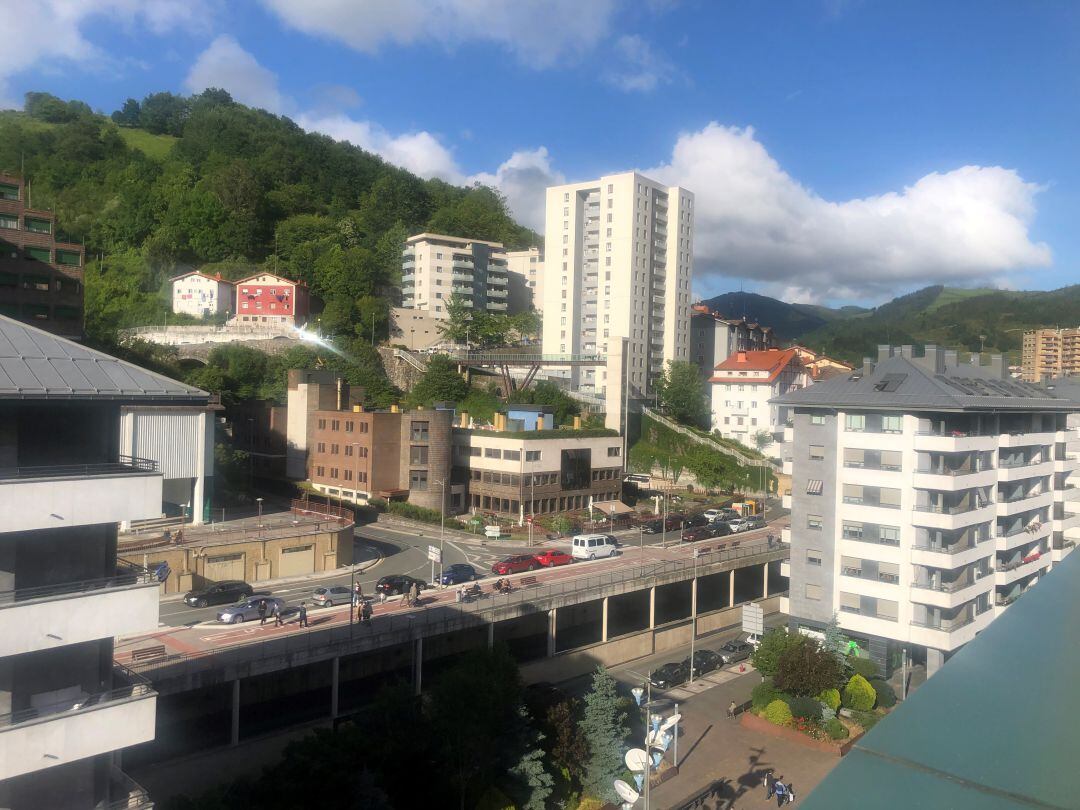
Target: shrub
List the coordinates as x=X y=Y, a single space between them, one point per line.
x=831 y=698
x=886 y=697
x=866 y=719
x=804 y=668
x=378 y=504
x=805 y=707
x=863 y=666
x=859 y=695
x=827 y=714
x=766 y=657
x=778 y=713
x=835 y=729
x=763 y=694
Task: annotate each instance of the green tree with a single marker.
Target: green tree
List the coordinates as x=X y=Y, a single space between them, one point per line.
x=805 y=669
x=682 y=394
x=530 y=784
x=766 y=658
x=569 y=747
x=440 y=383
x=762 y=439
x=604 y=725
x=859 y=695
x=548 y=393
x=128 y=115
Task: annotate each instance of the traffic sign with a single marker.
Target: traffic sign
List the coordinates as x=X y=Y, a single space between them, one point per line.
x=753 y=619
x=434 y=554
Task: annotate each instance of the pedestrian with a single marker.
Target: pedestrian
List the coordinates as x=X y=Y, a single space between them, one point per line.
x=382 y=597
x=781 y=793
x=359 y=608
x=769 y=785
x=416 y=593
x=366 y=613
x=303 y=614
x=731 y=710
x=790 y=794
x=262 y=611
x=278 y=620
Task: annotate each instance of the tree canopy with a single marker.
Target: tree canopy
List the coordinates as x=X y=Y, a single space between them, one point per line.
x=682 y=394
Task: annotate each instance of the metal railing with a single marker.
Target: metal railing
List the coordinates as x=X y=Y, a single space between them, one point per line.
x=939 y=509
x=135 y=686
x=123 y=465
x=127 y=575
x=126 y=793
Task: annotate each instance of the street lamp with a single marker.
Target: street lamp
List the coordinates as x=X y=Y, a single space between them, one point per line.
x=259 y=501
x=655 y=729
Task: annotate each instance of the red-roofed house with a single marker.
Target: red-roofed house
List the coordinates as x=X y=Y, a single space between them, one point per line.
x=267 y=298
x=742 y=386
x=201 y=295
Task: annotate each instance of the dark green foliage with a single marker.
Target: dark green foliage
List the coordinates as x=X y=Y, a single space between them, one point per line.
x=866 y=719
x=683 y=394
x=763 y=694
x=886 y=696
x=805 y=669
x=863 y=666
x=548 y=393
x=835 y=729
x=805 y=707
x=568 y=746
x=766 y=658
x=440 y=383
x=605 y=730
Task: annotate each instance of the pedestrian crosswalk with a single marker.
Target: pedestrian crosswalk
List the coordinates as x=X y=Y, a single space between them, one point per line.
x=706 y=682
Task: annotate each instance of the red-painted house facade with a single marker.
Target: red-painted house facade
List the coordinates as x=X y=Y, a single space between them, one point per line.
x=269 y=299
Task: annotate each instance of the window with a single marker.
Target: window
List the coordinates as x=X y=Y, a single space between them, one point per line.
x=35 y=225
x=8 y=192
x=889 y=535
x=348 y=449
x=614 y=452
x=9 y=222
x=418 y=454
x=817 y=419
x=850 y=602
x=511 y=455
x=349 y=427
x=321 y=447
x=889 y=497
x=420 y=431
x=814 y=486
x=335 y=424
x=813 y=522
x=532 y=455
x=813 y=592
x=813 y=557
x=363 y=427
x=854 y=422
x=853 y=493
x=817 y=452
x=892 y=424
x=418 y=480
x=38 y=254
x=492 y=452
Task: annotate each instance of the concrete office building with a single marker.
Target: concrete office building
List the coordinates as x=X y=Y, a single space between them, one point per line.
x=922 y=500
x=618 y=263
x=66 y=707
x=526 y=268
x=434 y=267
x=1050 y=353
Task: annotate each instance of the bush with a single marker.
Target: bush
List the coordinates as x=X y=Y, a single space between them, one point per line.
x=778 y=713
x=763 y=694
x=827 y=714
x=886 y=697
x=831 y=698
x=766 y=657
x=866 y=719
x=804 y=668
x=835 y=729
x=863 y=666
x=805 y=707
x=859 y=695
x=378 y=504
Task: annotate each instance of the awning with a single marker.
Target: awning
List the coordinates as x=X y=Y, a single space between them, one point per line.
x=613 y=508
x=813 y=487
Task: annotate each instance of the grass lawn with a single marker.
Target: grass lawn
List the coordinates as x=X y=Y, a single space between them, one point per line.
x=156 y=147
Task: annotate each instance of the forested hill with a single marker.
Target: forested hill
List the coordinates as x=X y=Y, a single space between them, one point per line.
x=173 y=183
x=789 y=321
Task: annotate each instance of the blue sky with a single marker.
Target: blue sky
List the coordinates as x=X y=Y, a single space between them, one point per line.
x=840 y=150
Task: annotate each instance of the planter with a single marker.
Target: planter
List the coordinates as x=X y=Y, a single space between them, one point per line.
x=751 y=721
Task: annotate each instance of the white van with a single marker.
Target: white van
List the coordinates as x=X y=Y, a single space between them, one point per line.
x=591 y=546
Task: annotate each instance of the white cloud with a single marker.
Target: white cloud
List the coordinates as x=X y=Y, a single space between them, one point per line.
x=523 y=178
x=639 y=68
x=754 y=221
x=539 y=32
x=48 y=33
x=226 y=65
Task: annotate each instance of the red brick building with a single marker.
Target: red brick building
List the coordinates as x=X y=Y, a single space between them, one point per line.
x=266 y=298
x=41 y=279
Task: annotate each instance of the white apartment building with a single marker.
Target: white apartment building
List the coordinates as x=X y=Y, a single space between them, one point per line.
x=618 y=254
x=926 y=496
x=526 y=268
x=742 y=389
x=201 y=296
x=434 y=267
x=65 y=706
x=714 y=338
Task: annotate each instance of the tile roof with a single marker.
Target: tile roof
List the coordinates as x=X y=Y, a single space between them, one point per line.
x=899 y=383
x=35 y=364
x=772 y=360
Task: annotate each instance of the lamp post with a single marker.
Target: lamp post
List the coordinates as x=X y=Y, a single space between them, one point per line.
x=442 y=530
x=259 y=501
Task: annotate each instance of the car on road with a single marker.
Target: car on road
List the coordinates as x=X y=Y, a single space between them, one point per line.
x=705 y=661
x=248 y=609
x=745 y=524
x=695 y=521
x=719 y=529
x=395 y=584
x=734 y=651
x=720 y=514
x=334 y=595
x=516 y=564
x=553 y=557
x=457 y=573
x=659 y=525
x=693 y=535
x=593 y=546
x=220 y=593
x=669 y=675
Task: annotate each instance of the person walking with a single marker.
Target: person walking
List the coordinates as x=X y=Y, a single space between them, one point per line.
x=416 y=593
x=769 y=785
x=731 y=710
x=366 y=613
x=303 y=614
x=781 y=793
x=262 y=611
x=790 y=794
x=278 y=621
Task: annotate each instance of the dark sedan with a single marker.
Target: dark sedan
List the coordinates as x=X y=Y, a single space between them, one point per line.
x=704 y=661
x=458 y=573
x=220 y=593
x=693 y=535
x=694 y=521
x=516 y=564
x=669 y=675
x=397 y=584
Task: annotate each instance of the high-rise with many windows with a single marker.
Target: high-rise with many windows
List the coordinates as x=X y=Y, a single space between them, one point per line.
x=618 y=263
x=435 y=267
x=926 y=495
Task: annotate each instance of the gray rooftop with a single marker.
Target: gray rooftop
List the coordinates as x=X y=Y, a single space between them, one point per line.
x=35 y=364
x=935 y=380
x=995 y=729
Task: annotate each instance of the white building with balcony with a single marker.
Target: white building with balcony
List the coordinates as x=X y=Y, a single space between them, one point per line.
x=65 y=706
x=924 y=500
x=435 y=267
x=203 y=296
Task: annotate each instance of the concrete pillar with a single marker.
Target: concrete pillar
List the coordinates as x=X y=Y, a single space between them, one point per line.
x=418 y=665
x=491 y=635
x=652 y=607
x=603 y=620
x=234 y=736
x=731 y=588
x=552 y=619
x=693 y=598
x=935 y=659
x=765 y=582
x=335 y=683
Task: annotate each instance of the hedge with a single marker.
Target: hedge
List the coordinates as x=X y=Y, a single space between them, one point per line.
x=805 y=707
x=886 y=697
x=835 y=729
x=864 y=666
x=778 y=713
x=831 y=698
x=866 y=719
x=859 y=695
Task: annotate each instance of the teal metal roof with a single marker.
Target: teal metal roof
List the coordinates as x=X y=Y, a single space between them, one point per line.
x=997 y=728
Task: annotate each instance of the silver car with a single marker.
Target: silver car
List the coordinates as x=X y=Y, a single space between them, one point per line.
x=248 y=609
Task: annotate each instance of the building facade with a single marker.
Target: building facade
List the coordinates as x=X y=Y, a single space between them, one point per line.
x=526 y=268
x=714 y=338
x=415 y=329
x=619 y=253
x=922 y=500
x=741 y=390
x=270 y=299
x=203 y=296
x=435 y=267
x=64 y=596
x=41 y=279
x=1050 y=353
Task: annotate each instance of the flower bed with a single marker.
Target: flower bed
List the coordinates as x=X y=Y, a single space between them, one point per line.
x=751 y=721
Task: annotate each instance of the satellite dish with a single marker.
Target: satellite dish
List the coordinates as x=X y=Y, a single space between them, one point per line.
x=626 y=793
x=635 y=759
x=671 y=721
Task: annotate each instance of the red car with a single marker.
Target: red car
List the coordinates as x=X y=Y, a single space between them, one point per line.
x=553 y=557
x=516 y=564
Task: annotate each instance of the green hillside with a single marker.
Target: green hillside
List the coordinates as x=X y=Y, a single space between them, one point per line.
x=788 y=322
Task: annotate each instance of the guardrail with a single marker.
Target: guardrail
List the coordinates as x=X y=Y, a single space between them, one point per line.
x=127 y=574
x=123 y=464
x=136 y=686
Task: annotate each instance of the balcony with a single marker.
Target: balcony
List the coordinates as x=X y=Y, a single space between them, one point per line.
x=495 y=280
x=1024 y=503
x=944 y=480
x=1070 y=463
x=949 y=594
x=79 y=726
x=464 y=264
x=950 y=635
x=459 y=276
x=785 y=535
x=33 y=619
x=79 y=494
x=493 y=293
x=1006 y=541
x=1020 y=439
x=1008 y=574
x=954 y=556
x=408 y=278
x=956 y=517
x=1018 y=471
x=956 y=441
x=1068 y=520
x=126 y=794
x=408 y=262
x=495 y=306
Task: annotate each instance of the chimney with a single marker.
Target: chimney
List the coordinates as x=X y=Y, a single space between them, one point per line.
x=867 y=366
x=577 y=423
x=395 y=409
x=463 y=418
x=357 y=408
x=907 y=351
x=884 y=352
x=740 y=357
x=340 y=403
x=951 y=358
x=997 y=365
x=932 y=359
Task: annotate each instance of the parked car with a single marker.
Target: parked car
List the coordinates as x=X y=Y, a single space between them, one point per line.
x=334 y=595
x=220 y=593
x=734 y=651
x=395 y=584
x=755 y=522
x=248 y=609
x=739 y=524
x=553 y=557
x=593 y=546
x=515 y=564
x=693 y=535
x=669 y=675
x=694 y=521
x=652 y=526
x=458 y=573
x=704 y=661
x=720 y=514
x=719 y=529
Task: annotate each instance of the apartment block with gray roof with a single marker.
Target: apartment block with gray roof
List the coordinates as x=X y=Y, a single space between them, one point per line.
x=927 y=494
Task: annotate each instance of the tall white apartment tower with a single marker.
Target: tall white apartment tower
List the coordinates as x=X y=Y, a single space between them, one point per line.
x=618 y=264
